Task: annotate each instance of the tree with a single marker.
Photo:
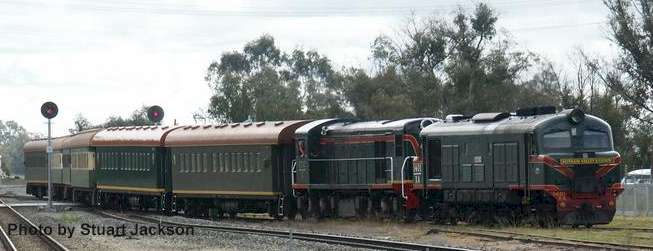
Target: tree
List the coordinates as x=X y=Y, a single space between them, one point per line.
x=442 y=66
x=264 y=83
x=378 y=97
x=137 y=118
x=12 y=139
x=631 y=27
x=81 y=124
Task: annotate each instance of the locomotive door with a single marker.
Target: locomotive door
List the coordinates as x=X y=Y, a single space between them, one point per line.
x=433 y=159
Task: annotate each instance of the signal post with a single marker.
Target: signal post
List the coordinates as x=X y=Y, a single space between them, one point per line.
x=49 y=110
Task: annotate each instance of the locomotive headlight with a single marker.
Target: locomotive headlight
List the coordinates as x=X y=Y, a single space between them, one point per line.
x=576 y=116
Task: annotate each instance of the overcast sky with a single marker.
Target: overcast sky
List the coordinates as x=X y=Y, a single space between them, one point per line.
x=110 y=57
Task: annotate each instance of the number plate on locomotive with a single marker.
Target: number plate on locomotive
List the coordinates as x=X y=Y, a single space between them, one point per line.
x=582 y=161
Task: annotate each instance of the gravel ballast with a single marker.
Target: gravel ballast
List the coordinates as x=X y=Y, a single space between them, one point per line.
x=200 y=239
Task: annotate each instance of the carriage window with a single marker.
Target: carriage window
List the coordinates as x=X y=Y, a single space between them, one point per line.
x=205 y=165
x=144 y=161
x=214 y=162
x=245 y=162
x=183 y=162
x=241 y=157
x=189 y=162
x=560 y=139
x=596 y=139
x=221 y=162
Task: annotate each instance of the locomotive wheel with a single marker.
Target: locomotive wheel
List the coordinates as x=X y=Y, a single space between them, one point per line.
x=588 y=225
x=314 y=206
x=291 y=209
x=452 y=216
x=302 y=207
x=361 y=209
x=453 y=221
x=409 y=215
x=324 y=206
x=425 y=213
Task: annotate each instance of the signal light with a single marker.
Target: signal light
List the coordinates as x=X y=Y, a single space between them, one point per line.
x=49 y=110
x=155 y=113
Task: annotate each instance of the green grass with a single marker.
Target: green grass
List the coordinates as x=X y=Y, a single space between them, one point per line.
x=632 y=222
x=69 y=218
x=632 y=237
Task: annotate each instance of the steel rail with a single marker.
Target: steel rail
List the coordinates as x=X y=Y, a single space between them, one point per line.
x=624 y=229
x=6 y=241
x=49 y=241
x=575 y=243
x=314 y=237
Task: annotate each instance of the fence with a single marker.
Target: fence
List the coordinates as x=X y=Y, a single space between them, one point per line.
x=636 y=200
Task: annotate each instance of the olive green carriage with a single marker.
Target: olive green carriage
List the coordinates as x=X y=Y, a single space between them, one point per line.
x=131 y=167
x=232 y=168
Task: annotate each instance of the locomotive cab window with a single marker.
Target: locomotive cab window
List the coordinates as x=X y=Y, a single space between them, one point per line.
x=596 y=139
x=556 y=140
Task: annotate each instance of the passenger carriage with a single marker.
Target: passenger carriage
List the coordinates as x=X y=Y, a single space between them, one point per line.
x=36 y=172
x=131 y=167
x=79 y=170
x=233 y=168
x=60 y=158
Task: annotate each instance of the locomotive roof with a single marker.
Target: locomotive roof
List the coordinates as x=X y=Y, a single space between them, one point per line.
x=373 y=126
x=503 y=125
x=81 y=139
x=248 y=133
x=152 y=136
x=305 y=129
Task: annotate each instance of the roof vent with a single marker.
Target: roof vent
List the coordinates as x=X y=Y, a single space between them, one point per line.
x=235 y=124
x=489 y=117
x=260 y=123
x=538 y=110
x=454 y=117
x=427 y=122
x=207 y=126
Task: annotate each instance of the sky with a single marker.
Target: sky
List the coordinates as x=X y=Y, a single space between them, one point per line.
x=109 y=57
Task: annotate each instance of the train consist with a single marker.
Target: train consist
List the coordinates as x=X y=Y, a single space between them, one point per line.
x=534 y=164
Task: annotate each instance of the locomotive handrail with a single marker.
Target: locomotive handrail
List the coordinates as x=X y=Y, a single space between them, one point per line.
x=403 y=166
x=293 y=171
x=392 y=164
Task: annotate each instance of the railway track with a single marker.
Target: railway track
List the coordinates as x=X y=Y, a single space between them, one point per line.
x=29 y=240
x=625 y=229
x=531 y=238
x=305 y=236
